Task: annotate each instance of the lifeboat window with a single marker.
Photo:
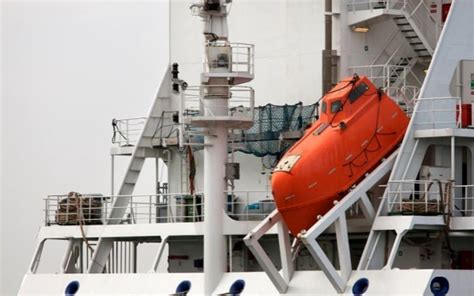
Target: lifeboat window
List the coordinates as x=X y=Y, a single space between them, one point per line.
x=357 y=92
x=323 y=107
x=336 y=106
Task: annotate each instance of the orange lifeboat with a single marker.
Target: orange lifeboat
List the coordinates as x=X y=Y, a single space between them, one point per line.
x=358 y=126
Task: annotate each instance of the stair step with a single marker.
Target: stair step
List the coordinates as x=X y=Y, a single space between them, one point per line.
x=411 y=37
x=416 y=43
x=425 y=56
x=421 y=49
x=407 y=31
x=398 y=17
x=403 y=24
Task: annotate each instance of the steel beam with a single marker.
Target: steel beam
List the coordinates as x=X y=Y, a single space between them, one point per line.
x=251 y=240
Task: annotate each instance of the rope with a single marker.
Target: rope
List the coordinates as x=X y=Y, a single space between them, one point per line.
x=80 y=218
x=376 y=133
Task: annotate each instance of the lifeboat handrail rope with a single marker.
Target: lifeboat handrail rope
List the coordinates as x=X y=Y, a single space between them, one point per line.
x=376 y=133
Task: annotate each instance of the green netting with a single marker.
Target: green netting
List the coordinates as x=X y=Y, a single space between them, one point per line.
x=263 y=138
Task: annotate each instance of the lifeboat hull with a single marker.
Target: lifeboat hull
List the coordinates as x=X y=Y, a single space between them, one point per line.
x=357 y=128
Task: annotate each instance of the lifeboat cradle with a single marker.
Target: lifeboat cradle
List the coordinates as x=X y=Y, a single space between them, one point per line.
x=335 y=217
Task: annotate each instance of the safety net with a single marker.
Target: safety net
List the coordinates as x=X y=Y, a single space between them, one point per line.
x=264 y=138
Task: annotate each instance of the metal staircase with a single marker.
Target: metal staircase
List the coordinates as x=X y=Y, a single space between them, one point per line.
x=416 y=43
x=393 y=65
x=142 y=149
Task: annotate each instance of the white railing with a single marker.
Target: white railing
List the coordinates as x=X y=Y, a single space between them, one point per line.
x=463 y=200
x=429 y=197
x=356 y=5
x=126 y=131
x=249 y=205
x=404 y=97
x=225 y=57
x=154 y=208
x=240 y=100
x=436 y=113
x=93 y=209
x=423 y=20
x=383 y=49
x=384 y=75
x=418 y=197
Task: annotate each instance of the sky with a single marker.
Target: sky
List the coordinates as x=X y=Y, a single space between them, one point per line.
x=67 y=69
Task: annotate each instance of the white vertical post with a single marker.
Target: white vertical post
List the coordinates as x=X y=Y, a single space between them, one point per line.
x=343 y=249
x=285 y=251
x=453 y=158
x=215 y=156
x=112 y=174
x=393 y=251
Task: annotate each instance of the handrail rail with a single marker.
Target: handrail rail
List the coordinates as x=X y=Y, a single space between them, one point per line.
x=384 y=47
x=429 y=196
x=238 y=96
x=424 y=22
x=93 y=209
x=240 y=61
x=436 y=110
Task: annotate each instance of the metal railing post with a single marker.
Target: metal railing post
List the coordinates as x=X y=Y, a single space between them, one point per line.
x=149 y=209
x=46 y=218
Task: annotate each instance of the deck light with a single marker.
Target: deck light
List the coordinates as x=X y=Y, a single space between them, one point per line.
x=360 y=29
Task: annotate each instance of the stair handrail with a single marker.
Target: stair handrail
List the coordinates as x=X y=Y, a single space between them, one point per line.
x=393 y=55
x=386 y=44
x=426 y=25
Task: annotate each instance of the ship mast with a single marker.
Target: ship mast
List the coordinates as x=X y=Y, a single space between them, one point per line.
x=220 y=75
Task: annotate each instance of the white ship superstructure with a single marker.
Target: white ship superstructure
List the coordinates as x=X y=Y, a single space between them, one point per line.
x=406 y=229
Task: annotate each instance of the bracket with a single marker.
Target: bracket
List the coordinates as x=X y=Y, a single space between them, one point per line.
x=251 y=240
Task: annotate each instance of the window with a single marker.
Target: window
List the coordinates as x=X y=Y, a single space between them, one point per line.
x=336 y=106
x=323 y=107
x=357 y=92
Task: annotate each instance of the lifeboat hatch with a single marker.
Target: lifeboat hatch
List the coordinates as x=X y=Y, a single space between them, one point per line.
x=287 y=163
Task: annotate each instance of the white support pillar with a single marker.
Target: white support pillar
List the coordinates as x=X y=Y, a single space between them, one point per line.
x=326 y=266
x=394 y=250
x=251 y=240
x=285 y=251
x=156 y=261
x=112 y=175
x=367 y=208
x=215 y=157
x=343 y=249
x=453 y=158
